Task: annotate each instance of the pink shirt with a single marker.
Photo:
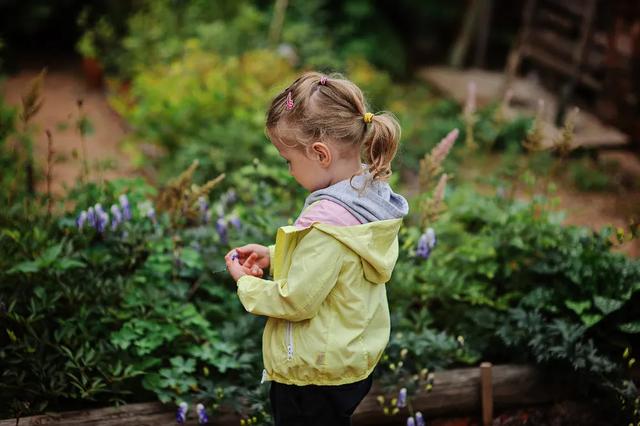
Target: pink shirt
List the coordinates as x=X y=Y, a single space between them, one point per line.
x=326 y=211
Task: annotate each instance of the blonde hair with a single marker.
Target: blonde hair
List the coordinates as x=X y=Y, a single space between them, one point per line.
x=331 y=109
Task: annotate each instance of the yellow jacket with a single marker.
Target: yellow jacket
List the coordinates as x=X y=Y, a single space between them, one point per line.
x=328 y=317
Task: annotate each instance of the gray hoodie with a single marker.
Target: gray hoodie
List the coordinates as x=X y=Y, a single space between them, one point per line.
x=376 y=202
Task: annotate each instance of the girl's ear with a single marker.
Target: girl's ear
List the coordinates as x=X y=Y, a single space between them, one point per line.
x=322 y=153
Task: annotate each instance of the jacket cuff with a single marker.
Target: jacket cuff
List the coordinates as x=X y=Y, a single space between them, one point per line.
x=244 y=278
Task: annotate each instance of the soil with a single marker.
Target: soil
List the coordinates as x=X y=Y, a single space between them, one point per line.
x=563 y=413
x=64 y=85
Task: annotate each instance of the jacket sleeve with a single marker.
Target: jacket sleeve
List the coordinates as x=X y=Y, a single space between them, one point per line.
x=315 y=265
x=272 y=253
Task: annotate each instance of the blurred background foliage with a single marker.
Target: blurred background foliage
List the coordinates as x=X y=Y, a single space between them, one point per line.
x=143 y=309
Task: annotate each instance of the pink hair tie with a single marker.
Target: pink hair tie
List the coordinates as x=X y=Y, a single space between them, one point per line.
x=289 y=105
x=323 y=80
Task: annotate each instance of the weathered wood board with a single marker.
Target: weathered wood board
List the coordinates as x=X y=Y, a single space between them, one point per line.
x=454 y=392
x=590 y=132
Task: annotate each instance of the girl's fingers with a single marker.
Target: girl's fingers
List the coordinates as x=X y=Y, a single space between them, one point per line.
x=235 y=269
x=233 y=254
x=251 y=260
x=255 y=270
x=243 y=253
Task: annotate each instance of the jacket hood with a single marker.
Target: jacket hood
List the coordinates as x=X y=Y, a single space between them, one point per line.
x=366 y=199
x=376 y=243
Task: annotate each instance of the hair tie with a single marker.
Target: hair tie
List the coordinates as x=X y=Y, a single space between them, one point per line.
x=289 y=105
x=368 y=117
x=323 y=80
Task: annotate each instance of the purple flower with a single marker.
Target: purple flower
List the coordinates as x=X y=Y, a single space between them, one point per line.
x=204 y=209
x=117 y=216
x=202 y=414
x=126 y=209
x=102 y=221
x=402 y=398
x=221 y=227
x=426 y=243
x=411 y=422
x=181 y=415
x=235 y=221
x=82 y=218
x=419 y=419
x=151 y=214
x=91 y=216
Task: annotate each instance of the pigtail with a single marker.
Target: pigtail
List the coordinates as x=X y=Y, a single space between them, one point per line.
x=380 y=144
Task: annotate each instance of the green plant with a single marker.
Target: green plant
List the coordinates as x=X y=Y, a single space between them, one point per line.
x=158 y=31
x=98 y=36
x=587 y=177
x=134 y=308
x=7 y=158
x=215 y=102
x=557 y=295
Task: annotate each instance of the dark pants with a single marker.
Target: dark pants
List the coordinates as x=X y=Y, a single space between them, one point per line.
x=313 y=405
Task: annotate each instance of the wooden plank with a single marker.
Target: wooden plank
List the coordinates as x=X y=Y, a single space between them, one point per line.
x=143 y=414
x=562 y=47
x=590 y=132
x=487 y=393
x=559 y=65
x=457 y=392
x=572 y=6
x=454 y=392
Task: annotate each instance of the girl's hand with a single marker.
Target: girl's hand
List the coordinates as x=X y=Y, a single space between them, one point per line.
x=262 y=254
x=236 y=270
x=251 y=265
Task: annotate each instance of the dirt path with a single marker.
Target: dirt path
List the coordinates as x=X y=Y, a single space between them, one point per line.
x=64 y=84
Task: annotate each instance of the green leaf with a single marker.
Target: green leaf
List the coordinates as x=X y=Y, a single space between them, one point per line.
x=14 y=234
x=191 y=258
x=25 y=267
x=578 y=306
x=591 y=319
x=182 y=366
x=607 y=305
x=630 y=327
x=50 y=254
x=66 y=263
x=151 y=381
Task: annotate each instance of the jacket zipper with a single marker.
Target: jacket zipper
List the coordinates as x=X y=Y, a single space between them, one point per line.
x=289 y=340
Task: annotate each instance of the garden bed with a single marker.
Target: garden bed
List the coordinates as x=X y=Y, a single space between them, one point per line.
x=455 y=392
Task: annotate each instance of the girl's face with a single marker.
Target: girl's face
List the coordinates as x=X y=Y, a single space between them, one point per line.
x=306 y=170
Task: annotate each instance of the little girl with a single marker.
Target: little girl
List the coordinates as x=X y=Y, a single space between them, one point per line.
x=328 y=316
